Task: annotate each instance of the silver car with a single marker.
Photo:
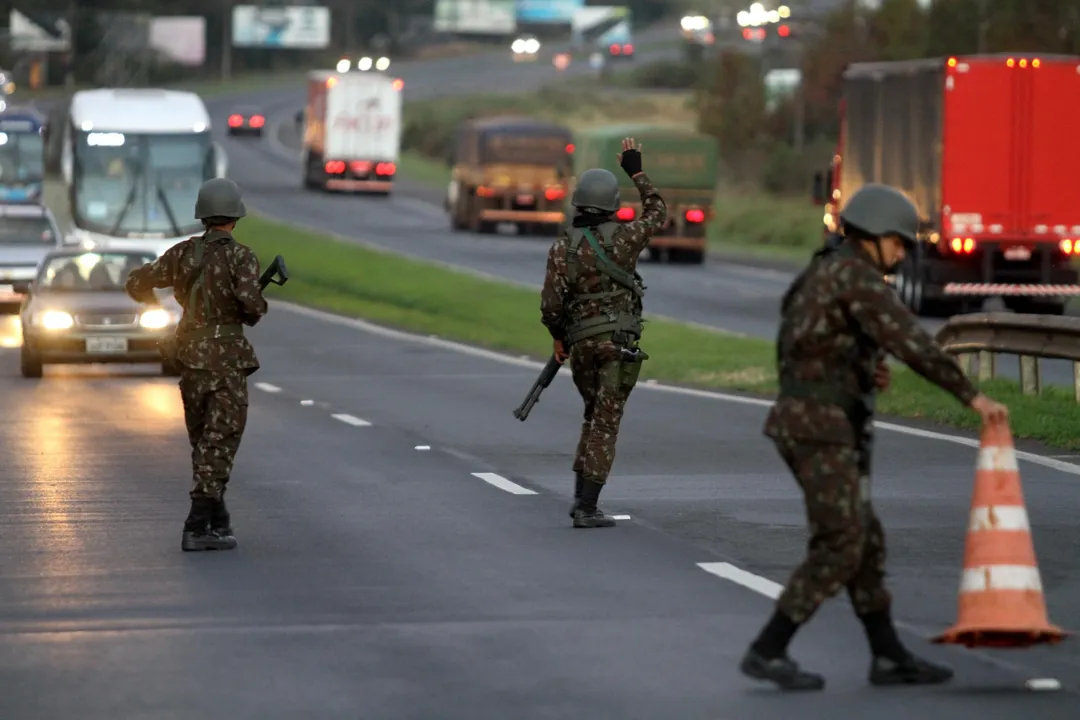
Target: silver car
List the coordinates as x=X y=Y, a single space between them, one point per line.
x=27 y=234
x=76 y=311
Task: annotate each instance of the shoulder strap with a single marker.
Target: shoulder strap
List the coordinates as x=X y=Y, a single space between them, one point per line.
x=606 y=266
x=575 y=236
x=202 y=255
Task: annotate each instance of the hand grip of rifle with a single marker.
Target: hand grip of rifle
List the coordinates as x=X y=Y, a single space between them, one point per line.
x=275 y=273
x=546 y=376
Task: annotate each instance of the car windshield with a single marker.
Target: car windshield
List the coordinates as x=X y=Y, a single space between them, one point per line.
x=27 y=231
x=138 y=185
x=100 y=272
x=22 y=158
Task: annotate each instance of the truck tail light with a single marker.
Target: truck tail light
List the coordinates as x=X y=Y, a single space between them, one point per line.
x=385 y=169
x=1070 y=247
x=626 y=214
x=554 y=193
x=616 y=50
x=627 y=49
x=257 y=121
x=485 y=191
x=335 y=167
x=570 y=148
x=398 y=84
x=695 y=215
x=235 y=121
x=963 y=245
x=360 y=167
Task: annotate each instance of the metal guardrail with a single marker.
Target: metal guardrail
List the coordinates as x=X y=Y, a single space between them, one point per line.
x=1032 y=337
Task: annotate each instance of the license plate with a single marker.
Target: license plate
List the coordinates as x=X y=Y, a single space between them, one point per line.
x=1018 y=253
x=106 y=345
x=525 y=199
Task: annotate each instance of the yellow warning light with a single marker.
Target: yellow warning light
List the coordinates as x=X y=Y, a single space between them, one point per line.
x=1010 y=62
x=1035 y=63
x=1023 y=63
x=952 y=62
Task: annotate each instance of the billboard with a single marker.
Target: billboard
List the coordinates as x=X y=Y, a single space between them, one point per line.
x=481 y=17
x=180 y=39
x=552 y=12
x=306 y=28
x=601 y=26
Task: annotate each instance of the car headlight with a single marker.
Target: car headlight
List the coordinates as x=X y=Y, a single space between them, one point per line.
x=155 y=319
x=518 y=46
x=343 y=66
x=532 y=46
x=382 y=64
x=364 y=64
x=55 y=320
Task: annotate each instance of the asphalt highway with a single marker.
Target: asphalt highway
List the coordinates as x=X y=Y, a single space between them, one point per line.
x=722 y=293
x=405 y=552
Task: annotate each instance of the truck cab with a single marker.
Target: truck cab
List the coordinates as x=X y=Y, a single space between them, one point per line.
x=509 y=170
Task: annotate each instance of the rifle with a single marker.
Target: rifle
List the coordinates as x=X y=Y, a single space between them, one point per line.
x=276 y=273
x=546 y=376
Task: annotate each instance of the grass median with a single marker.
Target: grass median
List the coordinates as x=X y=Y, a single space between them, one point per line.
x=357 y=281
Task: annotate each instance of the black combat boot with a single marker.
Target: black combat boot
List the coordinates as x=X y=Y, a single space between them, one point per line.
x=767 y=658
x=586 y=514
x=893 y=664
x=197 y=533
x=579 y=482
x=221 y=522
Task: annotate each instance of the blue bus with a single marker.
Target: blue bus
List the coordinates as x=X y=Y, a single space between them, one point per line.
x=22 y=155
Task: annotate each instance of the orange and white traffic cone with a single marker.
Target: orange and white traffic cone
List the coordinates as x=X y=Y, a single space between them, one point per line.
x=1001 y=597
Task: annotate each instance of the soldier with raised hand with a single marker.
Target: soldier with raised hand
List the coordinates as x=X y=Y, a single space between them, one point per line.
x=839 y=318
x=591 y=305
x=216 y=281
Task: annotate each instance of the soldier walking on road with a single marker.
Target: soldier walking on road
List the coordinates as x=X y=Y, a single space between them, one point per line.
x=838 y=318
x=216 y=280
x=591 y=305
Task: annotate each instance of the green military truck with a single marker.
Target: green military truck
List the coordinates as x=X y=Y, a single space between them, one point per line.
x=682 y=164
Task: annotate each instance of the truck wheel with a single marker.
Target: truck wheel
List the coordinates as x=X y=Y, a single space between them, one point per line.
x=910 y=285
x=693 y=257
x=30 y=363
x=656 y=255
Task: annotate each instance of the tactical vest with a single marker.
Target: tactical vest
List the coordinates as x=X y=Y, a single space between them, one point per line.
x=198 y=284
x=617 y=283
x=857 y=408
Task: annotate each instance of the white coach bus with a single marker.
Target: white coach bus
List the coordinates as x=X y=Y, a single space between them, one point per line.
x=133 y=161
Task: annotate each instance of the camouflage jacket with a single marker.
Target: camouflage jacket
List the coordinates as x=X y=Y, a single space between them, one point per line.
x=836 y=323
x=558 y=309
x=230 y=276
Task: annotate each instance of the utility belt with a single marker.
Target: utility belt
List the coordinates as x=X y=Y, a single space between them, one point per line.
x=625 y=337
x=169 y=346
x=858 y=408
x=625 y=328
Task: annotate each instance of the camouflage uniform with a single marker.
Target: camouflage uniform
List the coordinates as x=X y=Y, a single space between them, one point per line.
x=578 y=300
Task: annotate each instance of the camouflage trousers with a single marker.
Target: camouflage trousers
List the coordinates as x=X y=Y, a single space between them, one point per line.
x=215 y=412
x=605 y=384
x=847 y=542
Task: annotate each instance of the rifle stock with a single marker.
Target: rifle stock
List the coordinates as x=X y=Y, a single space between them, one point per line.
x=541 y=384
x=275 y=273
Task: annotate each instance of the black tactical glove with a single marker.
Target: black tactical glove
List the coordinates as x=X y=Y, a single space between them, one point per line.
x=631 y=162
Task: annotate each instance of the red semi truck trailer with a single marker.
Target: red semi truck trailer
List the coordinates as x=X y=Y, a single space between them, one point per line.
x=988 y=148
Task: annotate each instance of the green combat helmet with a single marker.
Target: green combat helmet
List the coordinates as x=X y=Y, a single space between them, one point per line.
x=596 y=188
x=880 y=210
x=219 y=197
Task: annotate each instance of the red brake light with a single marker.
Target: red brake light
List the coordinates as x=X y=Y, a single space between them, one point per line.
x=747 y=33
x=335 y=167
x=570 y=148
x=695 y=216
x=235 y=121
x=554 y=193
x=398 y=84
x=615 y=49
x=963 y=245
x=783 y=31
x=625 y=214
x=385 y=168
x=257 y=121
x=628 y=49
x=360 y=167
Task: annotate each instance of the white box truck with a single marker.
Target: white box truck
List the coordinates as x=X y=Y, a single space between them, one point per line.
x=352 y=131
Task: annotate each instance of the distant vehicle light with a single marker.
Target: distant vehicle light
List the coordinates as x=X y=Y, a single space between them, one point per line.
x=343 y=66
x=257 y=121
x=382 y=64
x=364 y=64
x=56 y=320
x=695 y=215
x=625 y=214
x=155 y=319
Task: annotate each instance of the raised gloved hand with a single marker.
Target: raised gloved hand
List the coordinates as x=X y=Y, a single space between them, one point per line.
x=630 y=157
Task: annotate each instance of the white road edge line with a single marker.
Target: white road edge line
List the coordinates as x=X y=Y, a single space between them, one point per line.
x=267 y=387
x=351 y=420
x=503 y=484
x=750 y=581
x=378 y=330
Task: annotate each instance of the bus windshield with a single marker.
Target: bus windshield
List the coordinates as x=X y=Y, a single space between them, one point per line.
x=22 y=157
x=134 y=185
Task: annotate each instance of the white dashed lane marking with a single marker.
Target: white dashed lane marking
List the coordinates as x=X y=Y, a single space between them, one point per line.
x=351 y=420
x=503 y=484
x=267 y=387
x=750 y=581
